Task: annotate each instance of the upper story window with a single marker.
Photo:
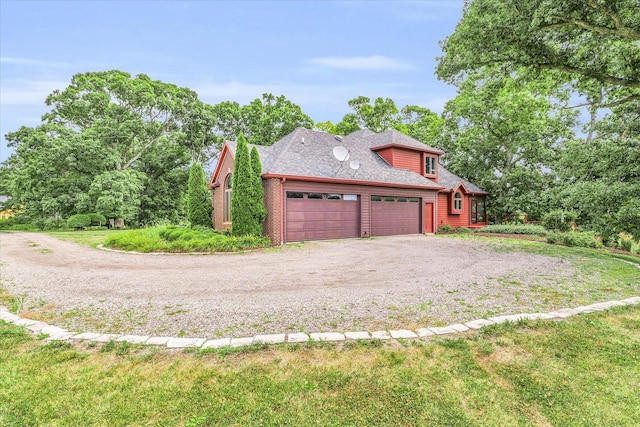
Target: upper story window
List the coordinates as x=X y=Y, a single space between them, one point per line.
x=430 y=165
x=227 y=198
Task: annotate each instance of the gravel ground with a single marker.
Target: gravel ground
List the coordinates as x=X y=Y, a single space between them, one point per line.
x=392 y=282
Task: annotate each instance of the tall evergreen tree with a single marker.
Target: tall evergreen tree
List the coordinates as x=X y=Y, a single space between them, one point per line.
x=259 y=211
x=198 y=200
x=243 y=222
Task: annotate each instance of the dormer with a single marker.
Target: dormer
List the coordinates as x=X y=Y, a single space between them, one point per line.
x=421 y=160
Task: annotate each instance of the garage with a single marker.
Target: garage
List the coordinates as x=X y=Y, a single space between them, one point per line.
x=391 y=215
x=318 y=216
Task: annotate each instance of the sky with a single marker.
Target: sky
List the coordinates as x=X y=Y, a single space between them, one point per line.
x=318 y=54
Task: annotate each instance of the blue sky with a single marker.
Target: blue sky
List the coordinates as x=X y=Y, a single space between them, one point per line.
x=319 y=54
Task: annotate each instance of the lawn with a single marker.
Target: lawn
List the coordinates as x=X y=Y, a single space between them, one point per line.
x=582 y=372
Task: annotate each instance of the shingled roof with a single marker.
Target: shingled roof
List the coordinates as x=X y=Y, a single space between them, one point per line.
x=309 y=153
x=451 y=181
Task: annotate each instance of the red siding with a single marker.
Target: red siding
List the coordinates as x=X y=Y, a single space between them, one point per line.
x=407 y=159
x=387 y=154
x=444 y=217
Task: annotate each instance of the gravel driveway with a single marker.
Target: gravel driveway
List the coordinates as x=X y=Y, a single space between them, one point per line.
x=390 y=282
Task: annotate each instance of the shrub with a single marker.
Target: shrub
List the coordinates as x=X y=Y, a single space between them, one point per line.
x=464 y=230
x=198 y=198
x=514 y=229
x=446 y=228
x=559 y=220
x=625 y=242
x=584 y=239
x=79 y=221
x=635 y=249
x=97 y=219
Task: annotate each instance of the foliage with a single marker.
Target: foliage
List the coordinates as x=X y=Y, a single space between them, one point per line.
x=180 y=239
x=258 y=210
x=625 y=242
x=583 y=239
x=559 y=220
x=419 y=123
x=537 y=230
x=79 y=221
x=446 y=228
x=198 y=198
x=584 y=43
x=600 y=176
x=503 y=134
x=569 y=372
x=242 y=202
x=106 y=128
x=263 y=121
x=97 y=219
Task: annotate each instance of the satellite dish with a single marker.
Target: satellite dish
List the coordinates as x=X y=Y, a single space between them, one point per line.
x=354 y=164
x=341 y=153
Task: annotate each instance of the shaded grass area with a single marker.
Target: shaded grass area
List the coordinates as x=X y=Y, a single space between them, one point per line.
x=583 y=371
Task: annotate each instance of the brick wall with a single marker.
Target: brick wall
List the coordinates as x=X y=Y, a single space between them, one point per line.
x=273 y=203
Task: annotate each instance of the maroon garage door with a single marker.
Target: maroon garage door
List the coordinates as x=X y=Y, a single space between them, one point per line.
x=394 y=215
x=317 y=216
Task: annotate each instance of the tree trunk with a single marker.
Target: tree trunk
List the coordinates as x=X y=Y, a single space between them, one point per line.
x=119 y=224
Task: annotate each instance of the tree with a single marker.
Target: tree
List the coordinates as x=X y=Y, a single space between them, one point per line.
x=263 y=121
x=242 y=202
x=583 y=41
x=600 y=176
x=116 y=194
x=504 y=134
x=101 y=123
x=259 y=211
x=379 y=117
x=198 y=198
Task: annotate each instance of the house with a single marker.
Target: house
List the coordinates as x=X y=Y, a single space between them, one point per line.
x=372 y=184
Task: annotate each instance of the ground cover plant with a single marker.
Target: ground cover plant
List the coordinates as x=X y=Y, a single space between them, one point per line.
x=581 y=371
x=182 y=239
x=514 y=229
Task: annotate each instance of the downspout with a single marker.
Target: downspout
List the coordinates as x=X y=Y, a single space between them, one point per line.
x=284 y=178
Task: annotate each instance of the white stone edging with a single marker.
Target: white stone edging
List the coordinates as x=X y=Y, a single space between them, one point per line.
x=59 y=334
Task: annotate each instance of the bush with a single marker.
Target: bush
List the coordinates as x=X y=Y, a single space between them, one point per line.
x=635 y=249
x=559 y=220
x=174 y=239
x=625 y=242
x=97 y=219
x=584 y=239
x=464 y=230
x=79 y=221
x=446 y=228
x=514 y=229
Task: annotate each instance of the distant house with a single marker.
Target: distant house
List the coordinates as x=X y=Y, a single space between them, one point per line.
x=389 y=184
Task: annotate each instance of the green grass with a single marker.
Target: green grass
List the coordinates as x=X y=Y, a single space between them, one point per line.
x=90 y=238
x=578 y=372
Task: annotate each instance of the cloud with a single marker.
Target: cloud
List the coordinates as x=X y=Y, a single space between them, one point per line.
x=34 y=62
x=373 y=62
x=28 y=92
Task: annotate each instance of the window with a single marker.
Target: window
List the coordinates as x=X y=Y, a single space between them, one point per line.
x=333 y=197
x=350 y=197
x=414 y=199
x=457 y=202
x=482 y=210
x=376 y=198
x=478 y=213
x=430 y=165
x=227 y=198
x=389 y=199
x=294 y=195
x=402 y=199
x=314 y=196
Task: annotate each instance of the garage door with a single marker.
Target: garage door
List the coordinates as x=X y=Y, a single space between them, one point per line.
x=394 y=215
x=317 y=216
